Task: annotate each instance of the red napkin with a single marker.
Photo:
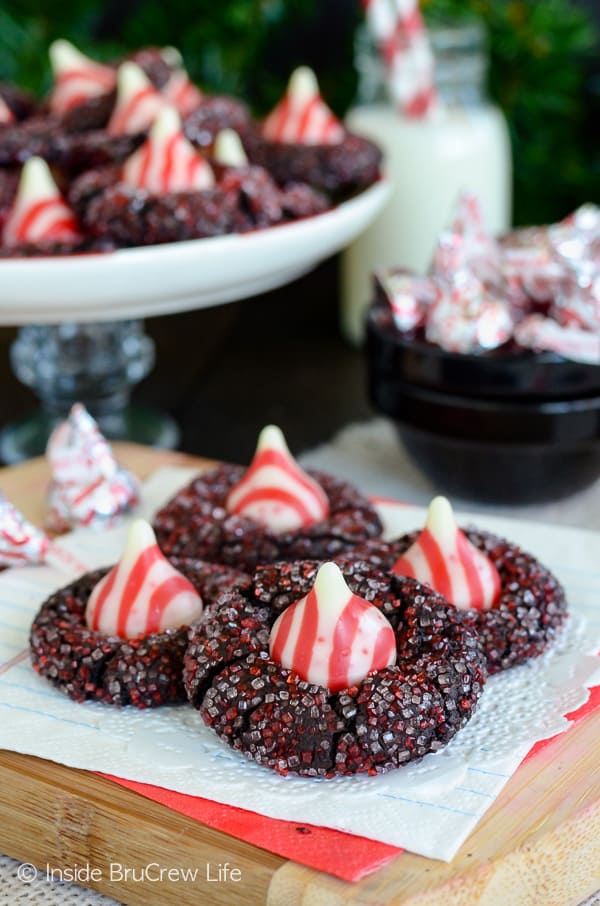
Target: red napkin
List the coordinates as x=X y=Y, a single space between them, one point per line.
x=343 y=855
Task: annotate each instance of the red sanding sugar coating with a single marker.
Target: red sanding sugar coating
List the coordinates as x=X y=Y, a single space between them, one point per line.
x=195 y=523
x=531 y=607
x=394 y=716
x=145 y=671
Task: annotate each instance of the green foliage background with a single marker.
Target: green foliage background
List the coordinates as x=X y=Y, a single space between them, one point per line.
x=542 y=54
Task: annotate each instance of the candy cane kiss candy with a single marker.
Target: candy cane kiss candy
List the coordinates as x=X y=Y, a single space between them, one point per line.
x=39 y=213
x=138 y=102
x=444 y=558
x=332 y=637
x=302 y=116
x=20 y=541
x=76 y=77
x=143 y=593
x=275 y=491
x=167 y=162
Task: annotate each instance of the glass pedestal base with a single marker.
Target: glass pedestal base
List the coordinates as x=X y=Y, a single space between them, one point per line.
x=29 y=436
x=95 y=364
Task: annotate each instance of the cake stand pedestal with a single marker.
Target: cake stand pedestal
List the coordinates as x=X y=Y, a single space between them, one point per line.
x=96 y=364
x=80 y=337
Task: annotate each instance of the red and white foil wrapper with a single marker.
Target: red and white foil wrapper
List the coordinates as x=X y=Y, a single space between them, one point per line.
x=409 y=297
x=543 y=334
x=76 y=77
x=275 y=492
x=578 y=303
x=181 y=93
x=399 y=31
x=332 y=637
x=468 y=319
x=444 y=558
x=530 y=270
x=88 y=486
x=167 y=162
x=138 y=102
x=21 y=543
x=6 y=114
x=538 y=286
x=576 y=239
x=142 y=593
x=467 y=245
x=302 y=116
x=39 y=213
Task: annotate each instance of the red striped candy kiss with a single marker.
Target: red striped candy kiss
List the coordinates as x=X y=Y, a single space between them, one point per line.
x=20 y=541
x=302 y=117
x=444 y=558
x=138 y=102
x=332 y=637
x=88 y=487
x=182 y=93
x=6 y=114
x=76 y=77
x=275 y=491
x=167 y=162
x=77 y=451
x=142 y=593
x=39 y=213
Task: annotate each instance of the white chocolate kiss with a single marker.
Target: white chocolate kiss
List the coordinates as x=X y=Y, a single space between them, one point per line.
x=53 y=219
x=303 y=85
x=302 y=116
x=143 y=593
x=332 y=637
x=147 y=167
x=228 y=149
x=275 y=491
x=76 y=76
x=444 y=558
x=138 y=102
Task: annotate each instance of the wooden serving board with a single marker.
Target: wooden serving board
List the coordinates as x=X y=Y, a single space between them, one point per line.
x=538 y=844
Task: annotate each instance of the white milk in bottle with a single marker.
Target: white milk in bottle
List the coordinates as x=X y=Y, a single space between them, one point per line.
x=462 y=145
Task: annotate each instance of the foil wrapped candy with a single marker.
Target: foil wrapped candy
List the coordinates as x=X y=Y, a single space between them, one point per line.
x=537 y=287
x=88 y=486
x=21 y=543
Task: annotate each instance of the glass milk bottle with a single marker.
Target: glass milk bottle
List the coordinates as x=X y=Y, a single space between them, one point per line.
x=462 y=145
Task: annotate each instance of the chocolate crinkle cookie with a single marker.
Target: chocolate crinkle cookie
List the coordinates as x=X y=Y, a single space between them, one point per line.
x=196 y=523
x=342 y=168
x=530 y=610
x=394 y=716
x=145 y=671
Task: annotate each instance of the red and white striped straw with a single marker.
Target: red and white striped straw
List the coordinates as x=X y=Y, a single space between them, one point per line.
x=399 y=31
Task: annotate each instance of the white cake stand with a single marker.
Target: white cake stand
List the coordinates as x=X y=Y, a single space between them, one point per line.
x=80 y=337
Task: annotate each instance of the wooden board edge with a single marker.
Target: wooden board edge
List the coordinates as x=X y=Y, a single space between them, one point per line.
x=549 y=851
x=58 y=818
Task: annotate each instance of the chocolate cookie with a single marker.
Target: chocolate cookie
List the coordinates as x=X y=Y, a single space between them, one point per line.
x=196 y=523
x=145 y=672
x=532 y=604
x=394 y=716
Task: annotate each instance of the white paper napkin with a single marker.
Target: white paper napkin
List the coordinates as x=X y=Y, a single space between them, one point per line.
x=429 y=808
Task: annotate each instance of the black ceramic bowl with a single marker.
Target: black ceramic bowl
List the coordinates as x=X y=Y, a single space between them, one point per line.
x=516 y=427
x=504 y=372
